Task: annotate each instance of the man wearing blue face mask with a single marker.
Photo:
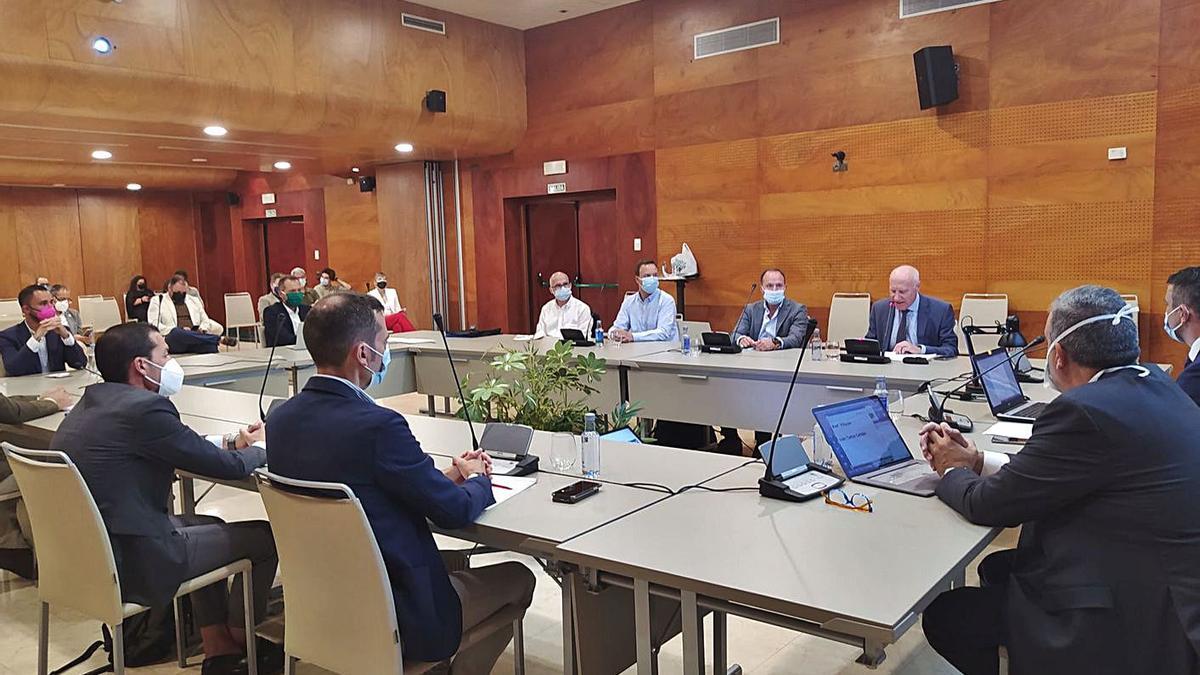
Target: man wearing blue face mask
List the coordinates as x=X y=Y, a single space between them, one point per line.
x=1182 y=323
x=774 y=323
x=564 y=311
x=334 y=431
x=649 y=314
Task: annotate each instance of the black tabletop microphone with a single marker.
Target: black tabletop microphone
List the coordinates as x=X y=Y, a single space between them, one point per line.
x=938 y=412
x=462 y=400
x=262 y=414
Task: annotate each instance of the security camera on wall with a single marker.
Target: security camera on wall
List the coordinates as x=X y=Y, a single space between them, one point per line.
x=839 y=164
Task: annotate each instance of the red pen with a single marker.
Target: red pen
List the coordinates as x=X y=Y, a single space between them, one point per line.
x=501 y=486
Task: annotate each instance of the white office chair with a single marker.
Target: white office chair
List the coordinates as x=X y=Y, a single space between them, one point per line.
x=239 y=313
x=103 y=314
x=1131 y=300
x=75 y=559
x=849 y=316
x=339 y=613
x=981 y=309
x=10 y=306
x=81 y=298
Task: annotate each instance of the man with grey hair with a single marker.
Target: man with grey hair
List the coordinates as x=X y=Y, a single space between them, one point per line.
x=908 y=322
x=1106 y=575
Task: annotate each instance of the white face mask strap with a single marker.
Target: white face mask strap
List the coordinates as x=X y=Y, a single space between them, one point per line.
x=1125 y=312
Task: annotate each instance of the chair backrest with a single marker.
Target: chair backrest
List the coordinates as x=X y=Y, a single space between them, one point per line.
x=849 y=316
x=10 y=306
x=239 y=311
x=338 y=605
x=90 y=297
x=981 y=309
x=1131 y=300
x=75 y=559
x=105 y=314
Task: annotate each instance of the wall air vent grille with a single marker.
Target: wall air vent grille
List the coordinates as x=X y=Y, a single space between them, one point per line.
x=421 y=23
x=737 y=38
x=911 y=8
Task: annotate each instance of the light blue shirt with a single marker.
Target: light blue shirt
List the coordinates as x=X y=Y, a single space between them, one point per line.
x=770 y=327
x=650 y=320
x=912 y=325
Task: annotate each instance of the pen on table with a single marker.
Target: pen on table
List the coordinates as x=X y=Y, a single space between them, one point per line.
x=502 y=486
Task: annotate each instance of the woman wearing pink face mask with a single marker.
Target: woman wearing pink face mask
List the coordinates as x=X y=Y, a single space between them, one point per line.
x=40 y=343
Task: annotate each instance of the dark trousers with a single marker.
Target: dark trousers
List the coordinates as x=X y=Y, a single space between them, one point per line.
x=181 y=341
x=967 y=625
x=730 y=439
x=484 y=592
x=212 y=543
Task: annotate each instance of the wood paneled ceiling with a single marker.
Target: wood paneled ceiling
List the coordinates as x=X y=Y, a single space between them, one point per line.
x=325 y=85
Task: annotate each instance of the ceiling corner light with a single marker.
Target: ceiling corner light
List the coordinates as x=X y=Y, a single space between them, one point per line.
x=215 y=130
x=283 y=166
x=354 y=169
x=404 y=147
x=133 y=187
x=103 y=45
x=199 y=160
x=101 y=154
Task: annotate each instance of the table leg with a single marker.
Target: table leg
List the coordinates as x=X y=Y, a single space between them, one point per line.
x=641 y=615
x=623 y=380
x=693 y=634
x=568 y=623
x=431 y=404
x=294 y=375
x=720 y=643
x=187 y=496
x=680 y=292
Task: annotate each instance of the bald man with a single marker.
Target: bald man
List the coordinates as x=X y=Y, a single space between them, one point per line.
x=908 y=322
x=564 y=311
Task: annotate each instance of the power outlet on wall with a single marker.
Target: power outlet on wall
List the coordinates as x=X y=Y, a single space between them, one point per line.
x=637 y=244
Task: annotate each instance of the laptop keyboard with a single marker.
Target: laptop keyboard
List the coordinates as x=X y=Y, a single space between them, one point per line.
x=1033 y=411
x=911 y=473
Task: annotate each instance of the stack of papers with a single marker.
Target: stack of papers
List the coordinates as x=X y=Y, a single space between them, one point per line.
x=1011 y=430
x=410 y=341
x=505 y=488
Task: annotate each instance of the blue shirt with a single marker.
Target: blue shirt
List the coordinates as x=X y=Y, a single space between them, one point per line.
x=912 y=325
x=770 y=325
x=650 y=320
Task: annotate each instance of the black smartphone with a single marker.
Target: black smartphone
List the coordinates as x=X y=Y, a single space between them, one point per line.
x=576 y=492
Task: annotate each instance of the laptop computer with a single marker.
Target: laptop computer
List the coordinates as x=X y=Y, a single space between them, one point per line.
x=622 y=435
x=1002 y=389
x=869 y=447
x=576 y=337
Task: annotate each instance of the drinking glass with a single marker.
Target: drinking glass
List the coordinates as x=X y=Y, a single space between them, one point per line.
x=896 y=403
x=564 y=452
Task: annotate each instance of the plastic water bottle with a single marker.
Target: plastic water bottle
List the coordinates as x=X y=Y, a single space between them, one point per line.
x=685 y=342
x=591 y=447
x=881 y=391
x=599 y=335
x=817 y=347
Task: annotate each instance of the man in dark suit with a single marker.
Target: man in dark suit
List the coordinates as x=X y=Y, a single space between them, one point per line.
x=334 y=431
x=283 y=321
x=128 y=441
x=1182 y=323
x=777 y=322
x=908 y=322
x=1106 y=575
x=41 y=343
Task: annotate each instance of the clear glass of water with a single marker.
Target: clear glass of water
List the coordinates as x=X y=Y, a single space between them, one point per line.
x=564 y=452
x=896 y=403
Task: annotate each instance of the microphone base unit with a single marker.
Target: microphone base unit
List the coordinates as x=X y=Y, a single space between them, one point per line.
x=865 y=358
x=721 y=349
x=780 y=490
x=527 y=465
x=1028 y=379
x=956 y=421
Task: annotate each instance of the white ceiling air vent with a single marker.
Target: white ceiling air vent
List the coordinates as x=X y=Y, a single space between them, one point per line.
x=737 y=38
x=421 y=23
x=911 y=8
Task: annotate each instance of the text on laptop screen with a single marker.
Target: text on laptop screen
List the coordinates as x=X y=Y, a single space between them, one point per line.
x=862 y=435
x=1001 y=384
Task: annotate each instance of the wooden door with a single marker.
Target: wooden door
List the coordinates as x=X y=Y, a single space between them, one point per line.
x=598 y=245
x=552 y=234
x=284 y=247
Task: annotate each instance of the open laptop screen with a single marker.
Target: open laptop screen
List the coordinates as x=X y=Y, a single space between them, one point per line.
x=1000 y=385
x=622 y=435
x=861 y=435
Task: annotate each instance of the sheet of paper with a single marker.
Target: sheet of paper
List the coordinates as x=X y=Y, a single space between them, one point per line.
x=1010 y=429
x=502 y=466
x=205 y=360
x=410 y=341
x=522 y=338
x=505 y=488
x=899 y=358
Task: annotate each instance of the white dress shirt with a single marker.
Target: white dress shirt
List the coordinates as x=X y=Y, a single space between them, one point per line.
x=39 y=347
x=294 y=315
x=1194 y=351
x=388 y=298
x=574 y=314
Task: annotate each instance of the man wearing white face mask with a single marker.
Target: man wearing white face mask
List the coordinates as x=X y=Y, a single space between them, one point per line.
x=128 y=441
x=649 y=314
x=774 y=323
x=1182 y=323
x=1106 y=575
x=564 y=311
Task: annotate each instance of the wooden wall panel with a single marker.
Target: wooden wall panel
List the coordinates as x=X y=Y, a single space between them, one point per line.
x=404 y=238
x=111 y=245
x=48 y=242
x=169 y=241
x=10 y=270
x=352 y=227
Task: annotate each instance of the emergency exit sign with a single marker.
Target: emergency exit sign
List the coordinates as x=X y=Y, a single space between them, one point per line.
x=556 y=188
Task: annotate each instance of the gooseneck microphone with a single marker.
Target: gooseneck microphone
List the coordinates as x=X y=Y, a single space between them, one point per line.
x=937 y=410
x=462 y=400
x=750 y=294
x=768 y=485
x=262 y=414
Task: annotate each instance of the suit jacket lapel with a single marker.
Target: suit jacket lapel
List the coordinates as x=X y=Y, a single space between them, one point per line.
x=887 y=328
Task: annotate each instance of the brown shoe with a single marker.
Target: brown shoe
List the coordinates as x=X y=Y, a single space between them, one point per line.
x=229 y=341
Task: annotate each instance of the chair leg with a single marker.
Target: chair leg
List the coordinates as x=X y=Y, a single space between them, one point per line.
x=44 y=640
x=118 y=634
x=519 y=647
x=291 y=664
x=180 y=647
x=251 y=633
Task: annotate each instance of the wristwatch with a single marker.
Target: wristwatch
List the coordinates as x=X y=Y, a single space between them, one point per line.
x=473 y=474
x=230 y=442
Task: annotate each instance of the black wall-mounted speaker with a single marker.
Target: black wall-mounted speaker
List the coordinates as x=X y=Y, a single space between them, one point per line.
x=435 y=101
x=366 y=184
x=937 y=76
x=232 y=198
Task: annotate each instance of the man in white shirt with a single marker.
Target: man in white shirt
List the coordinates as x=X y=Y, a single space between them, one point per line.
x=649 y=314
x=564 y=311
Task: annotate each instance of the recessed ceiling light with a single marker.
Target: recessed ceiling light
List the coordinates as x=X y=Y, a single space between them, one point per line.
x=60 y=185
x=215 y=130
x=354 y=169
x=283 y=166
x=199 y=160
x=404 y=147
x=102 y=45
x=101 y=154
x=134 y=187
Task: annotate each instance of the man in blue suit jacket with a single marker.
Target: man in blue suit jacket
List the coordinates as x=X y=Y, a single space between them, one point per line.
x=283 y=320
x=40 y=343
x=1182 y=323
x=910 y=323
x=334 y=431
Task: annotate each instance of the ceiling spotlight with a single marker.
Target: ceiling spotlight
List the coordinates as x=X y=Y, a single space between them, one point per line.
x=199 y=160
x=103 y=45
x=101 y=154
x=354 y=169
x=133 y=187
x=404 y=147
x=282 y=165
x=215 y=130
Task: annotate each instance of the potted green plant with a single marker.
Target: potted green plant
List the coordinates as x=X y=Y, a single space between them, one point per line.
x=546 y=391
